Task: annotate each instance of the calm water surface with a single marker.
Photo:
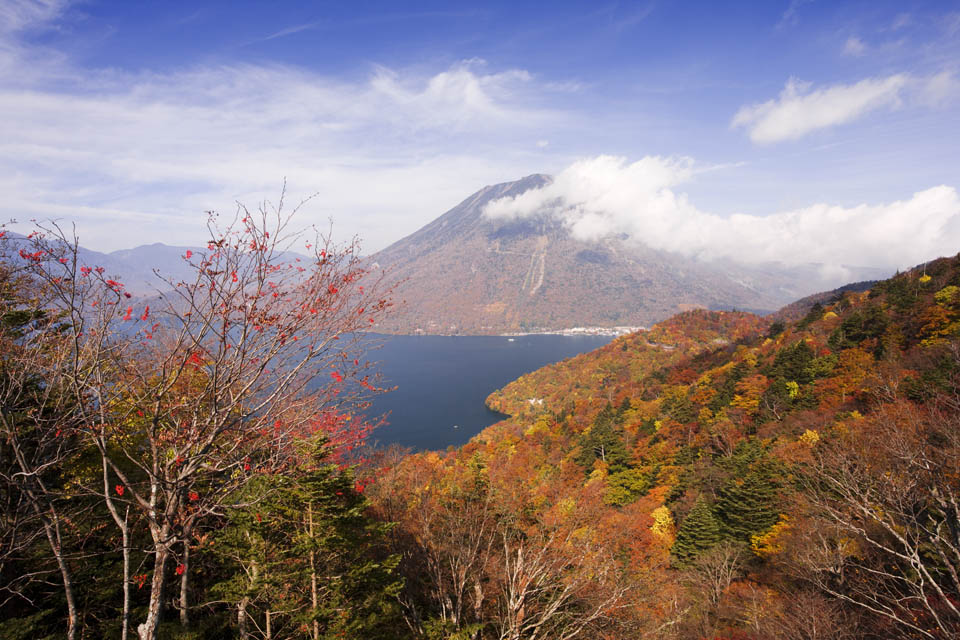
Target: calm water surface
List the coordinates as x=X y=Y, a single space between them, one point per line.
x=442 y=381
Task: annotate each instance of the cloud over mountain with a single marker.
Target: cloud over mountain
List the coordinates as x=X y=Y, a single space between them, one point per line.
x=606 y=195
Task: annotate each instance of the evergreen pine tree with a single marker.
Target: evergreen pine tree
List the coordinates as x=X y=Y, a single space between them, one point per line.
x=682 y=410
x=699 y=531
x=750 y=504
x=604 y=441
x=728 y=388
x=358 y=581
x=303 y=533
x=815 y=313
x=793 y=363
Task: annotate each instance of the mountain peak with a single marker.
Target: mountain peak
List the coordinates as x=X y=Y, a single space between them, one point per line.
x=466 y=273
x=460 y=221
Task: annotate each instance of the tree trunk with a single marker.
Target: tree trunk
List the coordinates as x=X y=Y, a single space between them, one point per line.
x=269 y=628
x=54 y=538
x=244 y=603
x=148 y=629
x=125 y=532
x=124 y=526
x=185 y=578
x=242 y=618
x=478 y=608
x=313 y=573
x=50 y=519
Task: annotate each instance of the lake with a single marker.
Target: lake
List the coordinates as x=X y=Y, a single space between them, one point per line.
x=442 y=382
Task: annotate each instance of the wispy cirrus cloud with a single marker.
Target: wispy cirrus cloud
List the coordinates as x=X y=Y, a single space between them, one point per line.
x=800 y=109
x=854 y=46
x=19 y=14
x=940 y=89
x=900 y=21
x=297 y=28
x=791 y=15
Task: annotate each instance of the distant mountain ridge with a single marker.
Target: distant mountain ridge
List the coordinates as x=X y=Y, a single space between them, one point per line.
x=136 y=268
x=464 y=273
x=141 y=266
x=144 y=270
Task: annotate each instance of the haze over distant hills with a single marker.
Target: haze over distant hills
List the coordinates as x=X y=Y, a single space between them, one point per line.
x=141 y=265
x=147 y=269
x=138 y=268
x=467 y=273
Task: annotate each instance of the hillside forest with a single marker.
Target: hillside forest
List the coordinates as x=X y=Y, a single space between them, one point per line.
x=196 y=468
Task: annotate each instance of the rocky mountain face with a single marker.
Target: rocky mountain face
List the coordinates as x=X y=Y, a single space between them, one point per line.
x=465 y=273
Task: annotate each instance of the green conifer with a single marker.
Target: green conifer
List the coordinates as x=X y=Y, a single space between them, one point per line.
x=750 y=504
x=604 y=441
x=699 y=531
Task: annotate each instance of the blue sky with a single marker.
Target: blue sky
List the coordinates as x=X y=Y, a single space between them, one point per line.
x=132 y=118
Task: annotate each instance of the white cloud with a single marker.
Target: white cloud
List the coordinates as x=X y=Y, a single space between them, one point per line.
x=16 y=15
x=387 y=152
x=902 y=20
x=939 y=90
x=799 y=110
x=17 y=18
x=606 y=195
x=456 y=97
x=951 y=23
x=790 y=16
x=854 y=46
x=289 y=31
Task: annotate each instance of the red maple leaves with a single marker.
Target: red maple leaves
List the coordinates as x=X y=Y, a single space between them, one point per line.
x=36 y=256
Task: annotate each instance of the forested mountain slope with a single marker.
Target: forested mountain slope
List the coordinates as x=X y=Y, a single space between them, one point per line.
x=719 y=476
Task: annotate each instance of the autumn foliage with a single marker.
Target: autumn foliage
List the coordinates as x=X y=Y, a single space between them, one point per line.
x=194 y=465
x=718 y=476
